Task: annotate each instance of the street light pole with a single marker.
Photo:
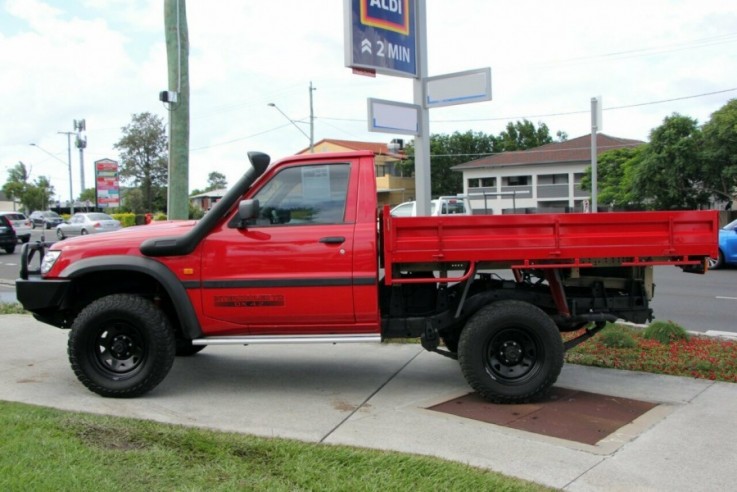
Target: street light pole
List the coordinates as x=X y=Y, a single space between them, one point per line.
x=69 y=164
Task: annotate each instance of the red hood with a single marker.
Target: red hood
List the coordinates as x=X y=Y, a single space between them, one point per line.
x=126 y=241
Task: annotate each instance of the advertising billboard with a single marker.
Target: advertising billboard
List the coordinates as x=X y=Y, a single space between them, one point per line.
x=381 y=36
x=107 y=183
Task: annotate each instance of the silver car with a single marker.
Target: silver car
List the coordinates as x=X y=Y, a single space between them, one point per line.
x=87 y=223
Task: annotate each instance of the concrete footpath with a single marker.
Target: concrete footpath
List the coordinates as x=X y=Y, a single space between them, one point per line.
x=376 y=396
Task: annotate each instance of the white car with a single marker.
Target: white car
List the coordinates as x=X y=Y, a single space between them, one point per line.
x=21 y=224
x=439 y=206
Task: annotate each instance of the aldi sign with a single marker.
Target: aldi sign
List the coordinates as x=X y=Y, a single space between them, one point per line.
x=381 y=36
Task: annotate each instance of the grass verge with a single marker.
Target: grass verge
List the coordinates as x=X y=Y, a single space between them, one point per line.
x=46 y=449
x=12 y=308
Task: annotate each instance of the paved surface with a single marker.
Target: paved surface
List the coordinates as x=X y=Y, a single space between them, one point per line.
x=377 y=396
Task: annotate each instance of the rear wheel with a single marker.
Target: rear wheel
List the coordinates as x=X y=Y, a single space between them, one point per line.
x=510 y=352
x=718 y=262
x=121 y=346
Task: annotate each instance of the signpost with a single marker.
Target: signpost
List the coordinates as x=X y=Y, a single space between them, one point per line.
x=390 y=37
x=107 y=184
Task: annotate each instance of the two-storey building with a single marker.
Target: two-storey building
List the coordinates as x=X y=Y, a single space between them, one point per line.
x=545 y=179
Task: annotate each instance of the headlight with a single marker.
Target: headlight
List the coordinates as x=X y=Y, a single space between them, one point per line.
x=49 y=259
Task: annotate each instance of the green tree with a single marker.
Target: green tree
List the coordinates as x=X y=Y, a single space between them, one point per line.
x=522 y=135
x=32 y=195
x=216 y=181
x=133 y=201
x=616 y=171
x=144 y=159
x=720 y=152
x=447 y=151
x=671 y=174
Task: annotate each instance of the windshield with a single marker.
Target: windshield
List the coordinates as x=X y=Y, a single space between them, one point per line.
x=731 y=226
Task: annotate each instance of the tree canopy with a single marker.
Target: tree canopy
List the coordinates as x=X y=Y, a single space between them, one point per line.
x=684 y=166
x=447 y=151
x=32 y=195
x=144 y=158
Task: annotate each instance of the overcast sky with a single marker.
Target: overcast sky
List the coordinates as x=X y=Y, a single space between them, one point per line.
x=104 y=60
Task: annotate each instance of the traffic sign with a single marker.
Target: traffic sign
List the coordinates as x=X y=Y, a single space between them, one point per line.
x=458 y=88
x=381 y=35
x=393 y=117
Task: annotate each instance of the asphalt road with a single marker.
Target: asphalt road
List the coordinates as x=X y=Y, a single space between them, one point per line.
x=696 y=302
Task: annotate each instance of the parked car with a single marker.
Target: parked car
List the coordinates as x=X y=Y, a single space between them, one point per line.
x=87 y=223
x=727 y=247
x=45 y=219
x=21 y=224
x=8 y=239
x=440 y=206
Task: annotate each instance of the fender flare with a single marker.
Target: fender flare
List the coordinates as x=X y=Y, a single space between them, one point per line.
x=175 y=288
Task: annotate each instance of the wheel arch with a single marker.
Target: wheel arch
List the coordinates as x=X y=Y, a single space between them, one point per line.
x=96 y=277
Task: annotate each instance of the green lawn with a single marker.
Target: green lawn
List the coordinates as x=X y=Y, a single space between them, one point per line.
x=46 y=449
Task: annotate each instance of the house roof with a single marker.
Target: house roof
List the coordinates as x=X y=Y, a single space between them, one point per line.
x=211 y=194
x=375 y=147
x=574 y=150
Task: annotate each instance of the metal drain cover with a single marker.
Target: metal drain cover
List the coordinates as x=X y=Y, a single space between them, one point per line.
x=566 y=414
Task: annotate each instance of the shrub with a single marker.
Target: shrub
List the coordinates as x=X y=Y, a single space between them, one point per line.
x=665 y=332
x=616 y=336
x=159 y=216
x=126 y=219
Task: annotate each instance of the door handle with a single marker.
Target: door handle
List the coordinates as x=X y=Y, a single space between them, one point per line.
x=332 y=240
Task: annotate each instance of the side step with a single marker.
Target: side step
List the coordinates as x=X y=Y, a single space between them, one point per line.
x=284 y=339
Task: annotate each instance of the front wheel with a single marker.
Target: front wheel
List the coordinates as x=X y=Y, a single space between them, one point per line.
x=121 y=346
x=510 y=352
x=59 y=234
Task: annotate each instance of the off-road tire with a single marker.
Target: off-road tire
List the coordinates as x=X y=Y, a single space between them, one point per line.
x=510 y=352
x=121 y=346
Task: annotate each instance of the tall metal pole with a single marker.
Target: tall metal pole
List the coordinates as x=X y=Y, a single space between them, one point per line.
x=69 y=158
x=312 y=121
x=423 y=187
x=594 y=157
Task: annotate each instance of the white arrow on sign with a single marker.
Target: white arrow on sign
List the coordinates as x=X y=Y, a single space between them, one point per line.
x=366 y=46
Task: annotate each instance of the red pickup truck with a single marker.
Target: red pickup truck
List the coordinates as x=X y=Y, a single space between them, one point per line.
x=297 y=252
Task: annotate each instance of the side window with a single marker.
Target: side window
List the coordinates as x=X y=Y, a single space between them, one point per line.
x=314 y=194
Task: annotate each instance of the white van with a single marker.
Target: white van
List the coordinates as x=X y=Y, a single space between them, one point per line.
x=439 y=206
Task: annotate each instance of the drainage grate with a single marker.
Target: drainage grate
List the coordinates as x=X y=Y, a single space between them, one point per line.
x=566 y=414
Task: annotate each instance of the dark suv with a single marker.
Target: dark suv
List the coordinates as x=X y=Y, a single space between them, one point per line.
x=8 y=239
x=46 y=219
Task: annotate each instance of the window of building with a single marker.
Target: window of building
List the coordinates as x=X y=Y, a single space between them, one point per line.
x=516 y=180
x=380 y=171
x=482 y=182
x=552 y=179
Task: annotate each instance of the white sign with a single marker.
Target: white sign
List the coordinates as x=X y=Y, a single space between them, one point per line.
x=458 y=88
x=393 y=117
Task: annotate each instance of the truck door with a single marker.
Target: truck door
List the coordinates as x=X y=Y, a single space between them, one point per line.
x=290 y=270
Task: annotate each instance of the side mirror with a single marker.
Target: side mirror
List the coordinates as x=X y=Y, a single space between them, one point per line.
x=247 y=209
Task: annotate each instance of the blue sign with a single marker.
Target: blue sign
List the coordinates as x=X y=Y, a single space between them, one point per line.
x=381 y=36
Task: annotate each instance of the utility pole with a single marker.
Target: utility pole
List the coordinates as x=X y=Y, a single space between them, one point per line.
x=69 y=160
x=81 y=144
x=177 y=54
x=312 y=121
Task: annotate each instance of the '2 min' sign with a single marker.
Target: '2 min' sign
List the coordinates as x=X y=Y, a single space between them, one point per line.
x=381 y=35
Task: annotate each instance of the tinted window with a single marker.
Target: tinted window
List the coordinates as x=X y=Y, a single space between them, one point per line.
x=305 y=195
